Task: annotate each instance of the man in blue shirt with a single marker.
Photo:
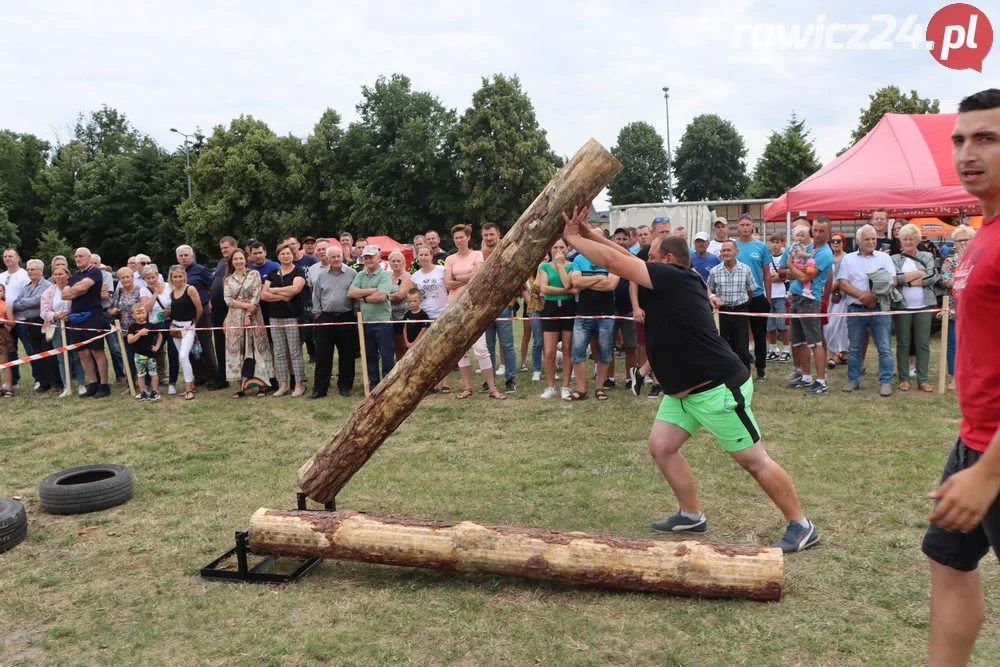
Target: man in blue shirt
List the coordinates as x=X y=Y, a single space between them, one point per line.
x=806 y=332
x=262 y=265
x=701 y=259
x=757 y=256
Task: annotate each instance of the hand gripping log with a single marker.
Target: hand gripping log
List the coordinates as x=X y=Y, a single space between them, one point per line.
x=453 y=333
x=691 y=568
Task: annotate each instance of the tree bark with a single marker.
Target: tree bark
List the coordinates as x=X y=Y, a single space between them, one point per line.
x=687 y=568
x=516 y=258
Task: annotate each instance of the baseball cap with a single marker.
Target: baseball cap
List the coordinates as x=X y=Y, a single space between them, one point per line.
x=701 y=236
x=370 y=251
x=744 y=216
x=722 y=221
x=309 y=239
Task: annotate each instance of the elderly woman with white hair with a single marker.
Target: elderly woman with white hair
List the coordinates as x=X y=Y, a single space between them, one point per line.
x=916 y=276
x=27 y=308
x=401 y=284
x=156 y=297
x=54 y=311
x=961 y=236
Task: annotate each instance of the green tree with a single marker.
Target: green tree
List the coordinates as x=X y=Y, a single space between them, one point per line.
x=22 y=159
x=8 y=231
x=248 y=182
x=787 y=160
x=643 y=177
x=50 y=244
x=57 y=185
x=107 y=132
x=402 y=159
x=504 y=156
x=890 y=100
x=710 y=162
x=328 y=189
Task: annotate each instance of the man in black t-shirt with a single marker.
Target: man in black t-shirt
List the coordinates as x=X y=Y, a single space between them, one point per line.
x=704 y=382
x=84 y=291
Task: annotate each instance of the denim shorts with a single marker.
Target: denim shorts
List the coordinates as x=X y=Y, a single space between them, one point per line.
x=584 y=329
x=778 y=323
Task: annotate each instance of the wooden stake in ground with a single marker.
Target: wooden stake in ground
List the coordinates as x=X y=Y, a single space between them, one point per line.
x=65 y=355
x=128 y=367
x=516 y=258
x=364 y=354
x=943 y=371
x=682 y=568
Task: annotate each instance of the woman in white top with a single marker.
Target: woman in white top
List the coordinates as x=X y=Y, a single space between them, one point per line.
x=155 y=296
x=429 y=279
x=915 y=278
x=54 y=310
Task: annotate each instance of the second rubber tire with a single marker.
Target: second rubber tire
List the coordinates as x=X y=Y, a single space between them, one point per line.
x=85 y=489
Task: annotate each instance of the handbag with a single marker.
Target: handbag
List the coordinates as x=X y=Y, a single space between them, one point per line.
x=249 y=362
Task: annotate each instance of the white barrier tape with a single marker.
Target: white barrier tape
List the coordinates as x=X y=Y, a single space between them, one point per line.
x=57 y=351
x=354 y=323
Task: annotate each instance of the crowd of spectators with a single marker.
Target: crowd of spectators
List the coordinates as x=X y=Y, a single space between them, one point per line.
x=572 y=310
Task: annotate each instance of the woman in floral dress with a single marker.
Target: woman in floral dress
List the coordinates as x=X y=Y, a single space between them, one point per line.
x=242 y=289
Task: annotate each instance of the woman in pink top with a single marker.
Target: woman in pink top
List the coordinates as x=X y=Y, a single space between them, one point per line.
x=458 y=271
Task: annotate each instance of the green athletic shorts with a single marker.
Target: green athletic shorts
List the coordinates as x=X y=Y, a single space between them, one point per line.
x=723 y=410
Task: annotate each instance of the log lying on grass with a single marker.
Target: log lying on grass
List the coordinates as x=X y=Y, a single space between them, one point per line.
x=680 y=568
x=452 y=334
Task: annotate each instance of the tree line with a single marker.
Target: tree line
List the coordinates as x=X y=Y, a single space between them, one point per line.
x=408 y=164
x=710 y=163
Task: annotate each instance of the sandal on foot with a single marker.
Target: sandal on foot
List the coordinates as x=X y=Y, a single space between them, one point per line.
x=576 y=396
x=239 y=394
x=926 y=387
x=465 y=393
x=904 y=386
x=498 y=395
x=601 y=395
x=445 y=390
x=188 y=395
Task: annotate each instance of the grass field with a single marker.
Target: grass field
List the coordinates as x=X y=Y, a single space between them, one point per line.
x=121 y=586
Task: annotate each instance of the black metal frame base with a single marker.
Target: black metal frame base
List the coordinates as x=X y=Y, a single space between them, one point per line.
x=260 y=572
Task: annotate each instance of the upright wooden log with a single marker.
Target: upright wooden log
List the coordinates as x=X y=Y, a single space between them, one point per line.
x=943 y=366
x=452 y=334
x=690 y=568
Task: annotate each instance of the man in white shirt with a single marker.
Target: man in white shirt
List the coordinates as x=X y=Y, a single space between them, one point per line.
x=854 y=283
x=14 y=279
x=721 y=229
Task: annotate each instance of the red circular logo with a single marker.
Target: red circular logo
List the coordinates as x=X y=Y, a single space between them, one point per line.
x=960 y=36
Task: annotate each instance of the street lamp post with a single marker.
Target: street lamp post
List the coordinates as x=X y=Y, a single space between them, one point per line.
x=670 y=159
x=187 y=156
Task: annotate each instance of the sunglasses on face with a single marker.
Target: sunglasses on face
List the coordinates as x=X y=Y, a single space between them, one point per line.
x=835 y=241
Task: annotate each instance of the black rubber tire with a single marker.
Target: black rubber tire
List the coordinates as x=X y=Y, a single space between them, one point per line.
x=85 y=489
x=13 y=524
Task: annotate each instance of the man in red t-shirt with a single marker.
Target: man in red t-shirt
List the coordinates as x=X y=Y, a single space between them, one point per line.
x=965 y=522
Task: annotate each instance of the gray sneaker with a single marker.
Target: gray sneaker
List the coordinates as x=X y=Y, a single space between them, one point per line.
x=885 y=390
x=679 y=523
x=794 y=375
x=797 y=538
x=798 y=384
x=850 y=386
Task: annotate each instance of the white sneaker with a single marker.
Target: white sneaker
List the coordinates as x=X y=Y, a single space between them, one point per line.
x=478 y=371
x=501 y=370
x=549 y=392
x=172 y=390
x=913 y=371
x=536 y=376
x=38 y=385
x=82 y=390
x=565 y=393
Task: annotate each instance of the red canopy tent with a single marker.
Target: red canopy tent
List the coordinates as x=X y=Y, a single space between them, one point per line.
x=904 y=165
x=386 y=244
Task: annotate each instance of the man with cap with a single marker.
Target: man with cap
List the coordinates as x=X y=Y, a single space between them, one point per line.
x=721 y=229
x=371 y=288
x=702 y=260
x=309 y=247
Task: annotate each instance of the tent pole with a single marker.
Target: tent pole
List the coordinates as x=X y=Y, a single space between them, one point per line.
x=788 y=226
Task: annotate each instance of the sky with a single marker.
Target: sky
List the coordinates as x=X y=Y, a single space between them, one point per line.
x=589 y=67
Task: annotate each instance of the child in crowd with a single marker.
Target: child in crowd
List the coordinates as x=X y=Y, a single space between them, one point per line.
x=6 y=343
x=801 y=258
x=413 y=332
x=147 y=341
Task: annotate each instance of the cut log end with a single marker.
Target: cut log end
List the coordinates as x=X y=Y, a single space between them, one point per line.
x=680 y=568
